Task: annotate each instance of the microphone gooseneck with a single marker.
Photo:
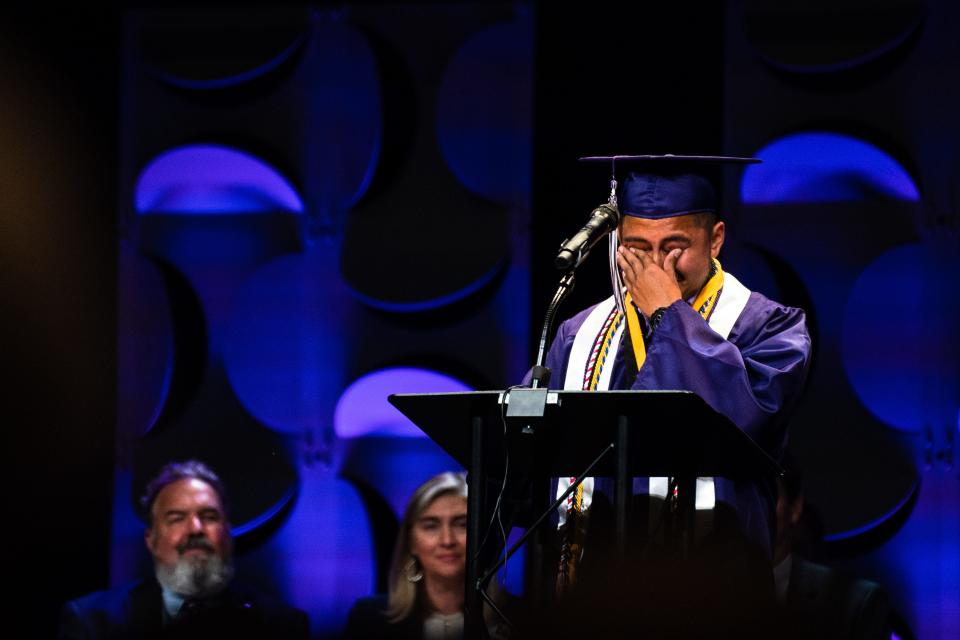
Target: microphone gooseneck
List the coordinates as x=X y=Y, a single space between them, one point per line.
x=574 y=251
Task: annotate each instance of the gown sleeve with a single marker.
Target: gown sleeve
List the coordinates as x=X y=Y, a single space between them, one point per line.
x=753 y=377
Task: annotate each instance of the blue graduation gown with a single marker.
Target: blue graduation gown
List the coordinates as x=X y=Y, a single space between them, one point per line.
x=753 y=377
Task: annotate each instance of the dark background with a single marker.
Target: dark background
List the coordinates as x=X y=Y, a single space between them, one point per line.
x=607 y=79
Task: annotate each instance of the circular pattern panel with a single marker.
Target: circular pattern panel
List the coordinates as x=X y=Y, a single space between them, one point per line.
x=287 y=342
x=823 y=36
x=483 y=113
x=345 y=120
x=322 y=554
x=363 y=409
x=825 y=166
x=211 y=179
x=889 y=352
x=145 y=344
x=216 y=49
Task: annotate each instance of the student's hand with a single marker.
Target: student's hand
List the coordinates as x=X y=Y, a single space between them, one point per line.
x=650 y=285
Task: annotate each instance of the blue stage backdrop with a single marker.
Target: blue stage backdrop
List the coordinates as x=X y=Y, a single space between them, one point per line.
x=854 y=216
x=319 y=207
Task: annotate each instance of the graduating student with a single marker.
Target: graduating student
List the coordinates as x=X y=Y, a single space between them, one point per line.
x=679 y=321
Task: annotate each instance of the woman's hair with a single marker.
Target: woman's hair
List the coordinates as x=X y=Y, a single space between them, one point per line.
x=402 y=593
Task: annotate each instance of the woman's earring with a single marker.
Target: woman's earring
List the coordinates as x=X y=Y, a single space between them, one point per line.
x=414 y=572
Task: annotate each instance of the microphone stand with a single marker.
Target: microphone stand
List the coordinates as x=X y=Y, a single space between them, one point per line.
x=526 y=408
x=541 y=374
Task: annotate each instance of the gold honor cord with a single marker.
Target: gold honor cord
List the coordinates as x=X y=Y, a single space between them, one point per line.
x=704 y=303
x=613 y=323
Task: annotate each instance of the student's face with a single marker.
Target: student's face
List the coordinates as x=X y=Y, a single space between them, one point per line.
x=439 y=539
x=188 y=522
x=660 y=236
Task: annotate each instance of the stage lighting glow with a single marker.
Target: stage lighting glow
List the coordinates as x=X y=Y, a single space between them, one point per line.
x=822 y=166
x=363 y=409
x=213 y=179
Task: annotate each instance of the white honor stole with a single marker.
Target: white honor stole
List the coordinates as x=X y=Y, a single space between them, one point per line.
x=732 y=300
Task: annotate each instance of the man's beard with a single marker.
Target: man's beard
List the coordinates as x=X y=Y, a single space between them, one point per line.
x=199 y=576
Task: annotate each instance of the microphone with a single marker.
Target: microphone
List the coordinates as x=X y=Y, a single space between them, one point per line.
x=574 y=251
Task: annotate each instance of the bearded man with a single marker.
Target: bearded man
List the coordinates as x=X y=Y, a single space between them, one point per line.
x=192 y=593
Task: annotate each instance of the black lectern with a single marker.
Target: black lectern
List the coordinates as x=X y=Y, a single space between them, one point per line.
x=650 y=433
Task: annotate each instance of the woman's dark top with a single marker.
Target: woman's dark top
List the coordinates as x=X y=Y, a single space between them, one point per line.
x=368 y=620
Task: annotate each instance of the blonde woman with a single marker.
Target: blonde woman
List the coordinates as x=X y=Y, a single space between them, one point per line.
x=427 y=573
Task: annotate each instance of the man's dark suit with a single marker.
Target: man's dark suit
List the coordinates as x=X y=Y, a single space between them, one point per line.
x=135 y=610
x=826 y=604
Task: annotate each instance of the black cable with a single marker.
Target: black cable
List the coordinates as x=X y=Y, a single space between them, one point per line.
x=495 y=516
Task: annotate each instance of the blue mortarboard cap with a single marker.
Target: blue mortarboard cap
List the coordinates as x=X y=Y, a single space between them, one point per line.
x=668 y=185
